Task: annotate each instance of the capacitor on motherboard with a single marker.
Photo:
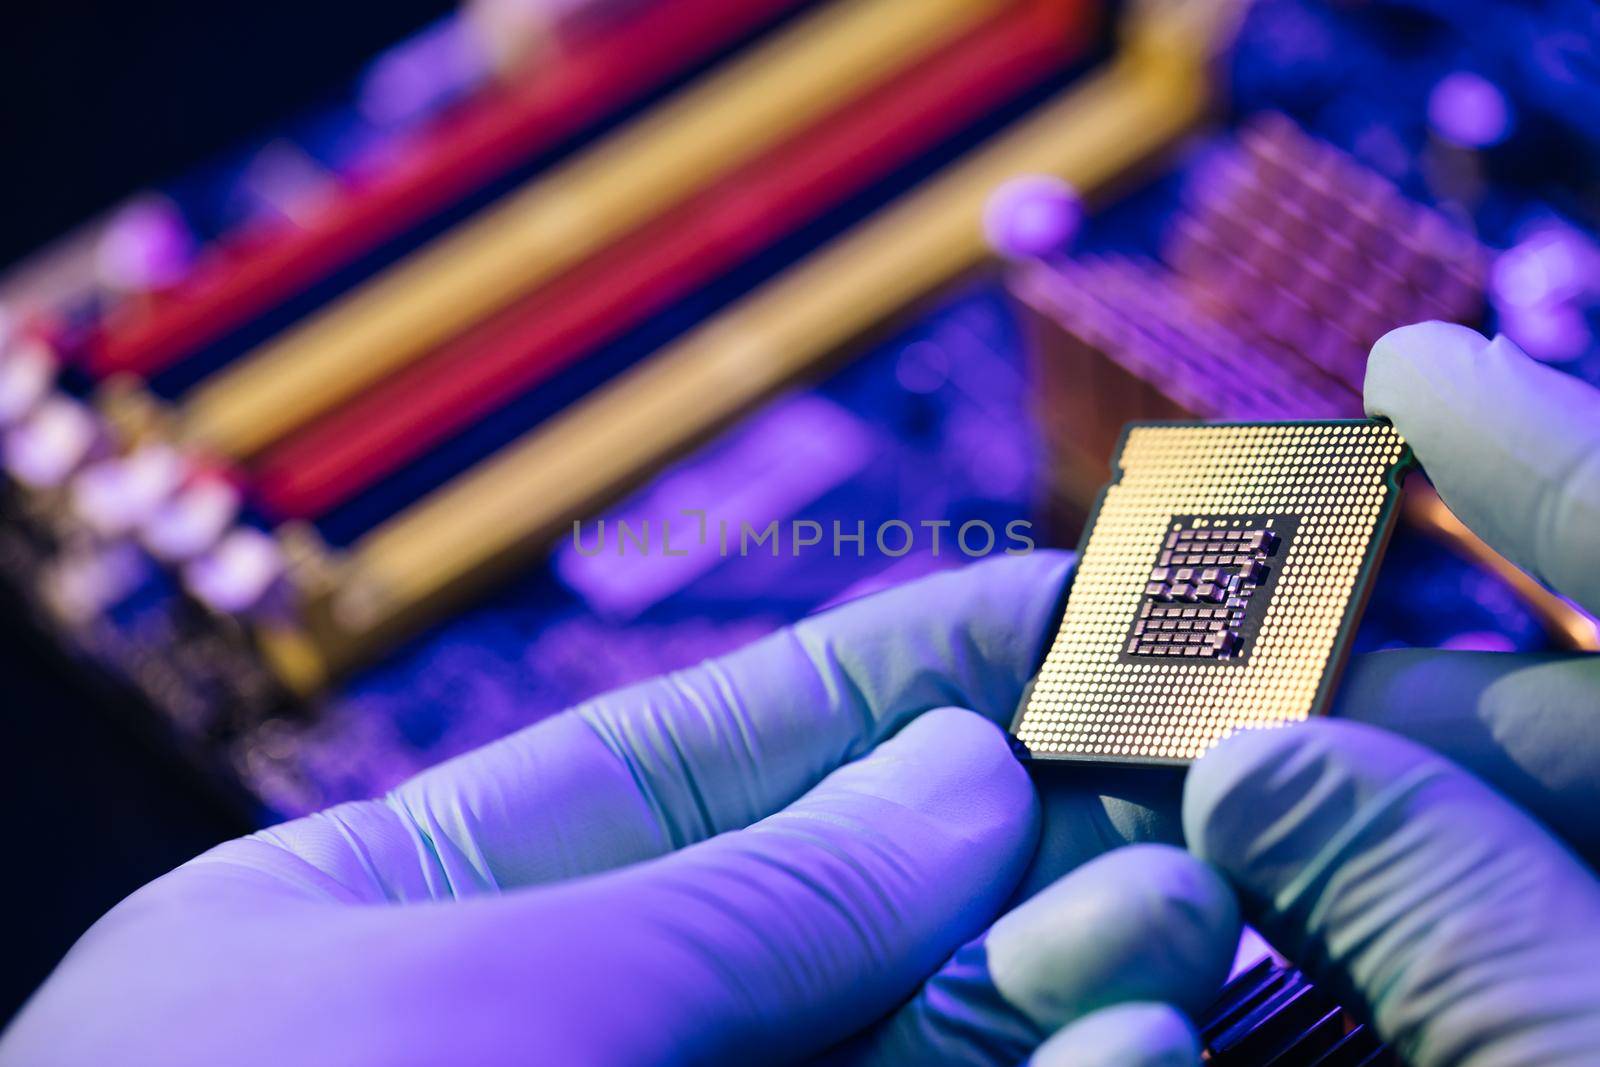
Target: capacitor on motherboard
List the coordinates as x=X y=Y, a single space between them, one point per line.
x=240 y=575
x=115 y=496
x=54 y=440
x=27 y=372
x=192 y=520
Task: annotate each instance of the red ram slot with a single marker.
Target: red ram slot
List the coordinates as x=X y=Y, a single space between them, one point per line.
x=668 y=259
x=249 y=273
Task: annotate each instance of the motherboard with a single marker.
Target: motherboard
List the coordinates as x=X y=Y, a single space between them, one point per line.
x=416 y=421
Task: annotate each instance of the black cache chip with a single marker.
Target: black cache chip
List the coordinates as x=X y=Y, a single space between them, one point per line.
x=1219 y=580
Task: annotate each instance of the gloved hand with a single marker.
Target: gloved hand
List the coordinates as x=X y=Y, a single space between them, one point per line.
x=792 y=850
x=1450 y=888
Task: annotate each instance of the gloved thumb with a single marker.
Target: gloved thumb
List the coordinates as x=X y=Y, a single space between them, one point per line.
x=1467 y=930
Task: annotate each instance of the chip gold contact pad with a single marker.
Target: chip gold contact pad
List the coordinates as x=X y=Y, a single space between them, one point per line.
x=1219 y=581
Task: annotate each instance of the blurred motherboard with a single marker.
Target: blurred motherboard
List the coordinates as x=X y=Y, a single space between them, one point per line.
x=316 y=454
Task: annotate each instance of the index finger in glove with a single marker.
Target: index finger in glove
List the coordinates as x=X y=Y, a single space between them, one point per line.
x=653 y=767
x=1513 y=446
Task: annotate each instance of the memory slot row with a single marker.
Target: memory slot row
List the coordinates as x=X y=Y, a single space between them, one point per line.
x=571 y=87
x=561 y=217
x=455 y=541
x=628 y=302
x=724 y=225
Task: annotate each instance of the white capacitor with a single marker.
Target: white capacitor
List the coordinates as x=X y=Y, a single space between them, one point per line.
x=43 y=450
x=115 y=496
x=192 y=520
x=238 y=574
x=27 y=372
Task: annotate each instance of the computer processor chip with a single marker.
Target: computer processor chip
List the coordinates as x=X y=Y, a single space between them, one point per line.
x=1220 y=578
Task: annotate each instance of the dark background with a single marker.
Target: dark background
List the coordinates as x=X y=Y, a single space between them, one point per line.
x=93 y=810
x=98 y=99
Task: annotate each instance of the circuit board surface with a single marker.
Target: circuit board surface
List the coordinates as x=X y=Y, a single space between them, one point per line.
x=1221 y=576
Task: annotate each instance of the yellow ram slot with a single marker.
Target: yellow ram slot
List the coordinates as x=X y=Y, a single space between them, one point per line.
x=554 y=221
x=448 y=545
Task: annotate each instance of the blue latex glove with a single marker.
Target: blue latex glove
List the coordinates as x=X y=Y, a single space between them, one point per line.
x=1449 y=887
x=792 y=850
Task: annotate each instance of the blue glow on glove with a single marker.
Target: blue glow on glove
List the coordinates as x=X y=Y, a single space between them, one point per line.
x=1446 y=887
x=771 y=855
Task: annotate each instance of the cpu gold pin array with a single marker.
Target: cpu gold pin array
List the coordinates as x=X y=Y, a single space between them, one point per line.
x=1323 y=494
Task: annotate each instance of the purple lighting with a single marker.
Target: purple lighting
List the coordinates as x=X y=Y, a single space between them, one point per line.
x=1035 y=215
x=1469 y=110
x=1554 y=263
x=1552 y=333
x=423 y=74
x=1542 y=288
x=147 y=246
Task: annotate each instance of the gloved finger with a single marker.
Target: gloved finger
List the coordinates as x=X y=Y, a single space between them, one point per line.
x=1127 y=1035
x=1143 y=923
x=657 y=766
x=1513 y=446
x=776 y=941
x=1524 y=723
x=1467 y=930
